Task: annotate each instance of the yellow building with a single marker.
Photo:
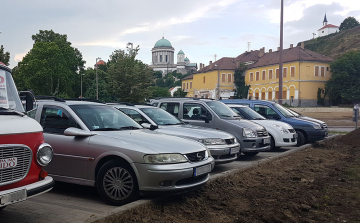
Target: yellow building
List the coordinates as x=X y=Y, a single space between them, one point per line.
x=203 y=84
x=304 y=72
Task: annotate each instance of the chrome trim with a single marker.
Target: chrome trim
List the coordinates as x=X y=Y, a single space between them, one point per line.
x=5 y=146
x=38 y=156
x=75 y=157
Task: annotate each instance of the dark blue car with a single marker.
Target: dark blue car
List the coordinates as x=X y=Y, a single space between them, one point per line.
x=308 y=130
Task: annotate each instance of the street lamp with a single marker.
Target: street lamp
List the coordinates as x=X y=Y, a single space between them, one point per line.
x=97 y=85
x=81 y=94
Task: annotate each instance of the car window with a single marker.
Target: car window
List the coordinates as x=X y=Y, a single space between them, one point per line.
x=266 y=111
x=171 y=107
x=32 y=113
x=222 y=110
x=239 y=112
x=161 y=117
x=56 y=120
x=194 y=111
x=135 y=115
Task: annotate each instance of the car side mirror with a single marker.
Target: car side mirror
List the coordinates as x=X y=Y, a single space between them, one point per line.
x=28 y=98
x=149 y=126
x=77 y=132
x=205 y=118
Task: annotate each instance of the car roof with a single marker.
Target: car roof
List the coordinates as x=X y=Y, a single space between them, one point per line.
x=67 y=102
x=230 y=101
x=131 y=106
x=237 y=105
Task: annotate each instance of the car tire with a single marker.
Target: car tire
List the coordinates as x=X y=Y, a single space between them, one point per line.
x=272 y=144
x=301 y=138
x=250 y=153
x=117 y=183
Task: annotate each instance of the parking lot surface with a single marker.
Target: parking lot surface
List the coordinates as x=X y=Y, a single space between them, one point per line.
x=74 y=203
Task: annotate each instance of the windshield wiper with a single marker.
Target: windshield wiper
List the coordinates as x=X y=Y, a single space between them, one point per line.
x=173 y=124
x=6 y=111
x=106 y=129
x=128 y=128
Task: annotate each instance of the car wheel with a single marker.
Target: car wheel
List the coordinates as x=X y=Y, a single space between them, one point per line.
x=272 y=144
x=300 y=139
x=117 y=183
x=250 y=153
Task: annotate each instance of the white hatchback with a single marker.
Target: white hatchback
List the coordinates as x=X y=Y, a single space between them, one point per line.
x=282 y=134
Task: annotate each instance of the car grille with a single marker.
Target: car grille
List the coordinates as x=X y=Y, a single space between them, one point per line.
x=196 y=157
x=230 y=141
x=23 y=155
x=291 y=130
x=192 y=180
x=262 y=133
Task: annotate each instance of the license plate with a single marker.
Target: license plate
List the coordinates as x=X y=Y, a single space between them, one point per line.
x=202 y=170
x=13 y=197
x=234 y=150
x=8 y=163
x=266 y=141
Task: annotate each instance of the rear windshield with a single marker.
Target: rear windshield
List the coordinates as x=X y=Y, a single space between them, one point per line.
x=9 y=97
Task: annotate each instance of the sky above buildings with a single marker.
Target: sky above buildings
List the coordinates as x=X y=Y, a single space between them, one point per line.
x=200 y=28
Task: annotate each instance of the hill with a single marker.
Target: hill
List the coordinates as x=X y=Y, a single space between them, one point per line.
x=335 y=45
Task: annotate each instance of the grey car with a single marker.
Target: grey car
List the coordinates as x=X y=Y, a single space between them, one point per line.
x=98 y=145
x=253 y=138
x=223 y=146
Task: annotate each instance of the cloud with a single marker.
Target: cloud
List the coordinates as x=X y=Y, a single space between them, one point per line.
x=18 y=57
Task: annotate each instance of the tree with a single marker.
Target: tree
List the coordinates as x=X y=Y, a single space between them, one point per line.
x=89 y=85
x=345 y=78
x=129 y=78
x=51 y=67
x=180 y=93
x=159 y=92
x=239 y=81
x=4 y=57
x=349 y=23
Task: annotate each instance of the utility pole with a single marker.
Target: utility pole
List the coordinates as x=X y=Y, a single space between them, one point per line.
x=97 y=85
x=281 y=53
x=218 y=80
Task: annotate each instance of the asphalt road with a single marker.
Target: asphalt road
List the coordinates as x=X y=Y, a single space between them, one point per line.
x=74 y=203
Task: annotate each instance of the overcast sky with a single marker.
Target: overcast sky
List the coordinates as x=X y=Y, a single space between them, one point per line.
x=201 y=28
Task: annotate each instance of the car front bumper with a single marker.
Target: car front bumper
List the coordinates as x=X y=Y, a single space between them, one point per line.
x=256 y=144
x=172 y=177
x=18 y=194
x=289 y=139
x=316 y=135
x=224 y=153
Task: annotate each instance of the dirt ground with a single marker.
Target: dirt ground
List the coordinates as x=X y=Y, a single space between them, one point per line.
x=318 y=184
x=333 y=118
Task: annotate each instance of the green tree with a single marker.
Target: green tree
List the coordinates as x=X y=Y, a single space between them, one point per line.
x=4 y=57
x=51 y=67
x=180 y=93
x=89 y=85
x=239 y=81
x=349 y=23
x=345 y=78
x=157 y=74
x=159 y=92
x=129 y=78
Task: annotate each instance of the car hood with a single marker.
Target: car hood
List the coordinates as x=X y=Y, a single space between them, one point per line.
x=155 y=141
x=311 y=119
x=194 y=132
x=245 y=124
x=15 y=124
x=267 y=123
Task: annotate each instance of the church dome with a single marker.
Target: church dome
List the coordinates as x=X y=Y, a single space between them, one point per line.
x=181 y=52
x=186 y=59
x=162 y=43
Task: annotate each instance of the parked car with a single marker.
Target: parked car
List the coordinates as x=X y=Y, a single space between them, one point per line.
x=23 y=152
x=300 y=116
x=253 y=138
x=98 y=145
x=282 y=134
x=223 y=146
x=307 y=131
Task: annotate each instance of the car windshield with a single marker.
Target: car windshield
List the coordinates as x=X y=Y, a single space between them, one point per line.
x=161 y=117
x=283 y=111
x=9 y=98
x=296 y=114
x=248 y=113
x=222 y=110
x=104 y=118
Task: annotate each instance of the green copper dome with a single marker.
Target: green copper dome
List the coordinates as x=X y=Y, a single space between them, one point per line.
x=186 y=59
x=162 y=43
x=181 y=52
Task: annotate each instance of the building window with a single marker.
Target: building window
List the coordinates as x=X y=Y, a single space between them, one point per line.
x=187 y=85
x=270 y=74
x=204 y=79
x=328 y=68
x=257 y=75
x=160 y=58
x=166 y=60
x=292 y=71
x=229 y=78
x=264 y=74
x=270 y=95
x=317 y=68
x=191 y=85
x=323 y=71
x=284 y=71
x=223 y=78
x=277 y=74
x=251 y=76
x=183 y=86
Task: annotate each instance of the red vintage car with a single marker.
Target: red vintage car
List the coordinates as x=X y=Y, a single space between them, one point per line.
x=23 y=152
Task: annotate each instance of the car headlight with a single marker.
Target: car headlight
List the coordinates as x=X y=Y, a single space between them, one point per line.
x=207 y=153
x=44 y=154
x=212 y=141
x=316 y=127
x=249 y=133
x=282 y=129
x=165 y=158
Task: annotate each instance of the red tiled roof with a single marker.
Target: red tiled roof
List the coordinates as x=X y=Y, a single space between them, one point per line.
x=188 y=77
x=225 y=63
x=100 y=62
x=329 y=26
x=290 y=55
x=171 y=88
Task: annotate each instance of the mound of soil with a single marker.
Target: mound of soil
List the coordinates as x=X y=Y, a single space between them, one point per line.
x=318 y=184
